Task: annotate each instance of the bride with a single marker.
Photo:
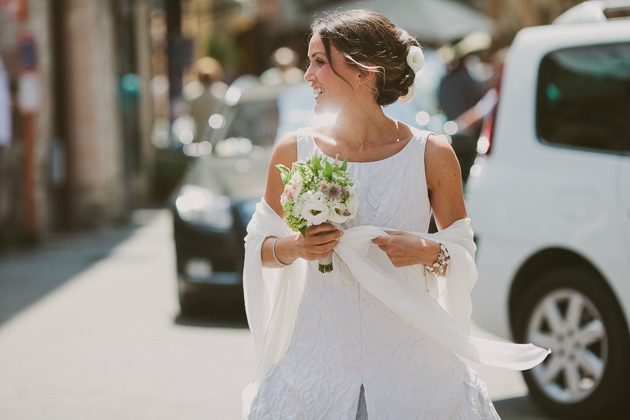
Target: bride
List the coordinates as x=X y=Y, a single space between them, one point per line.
x=378 y=336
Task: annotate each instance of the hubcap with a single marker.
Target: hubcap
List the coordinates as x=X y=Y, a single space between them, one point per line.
x=567 y=322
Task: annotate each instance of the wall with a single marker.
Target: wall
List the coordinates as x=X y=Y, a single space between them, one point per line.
x=512 y=15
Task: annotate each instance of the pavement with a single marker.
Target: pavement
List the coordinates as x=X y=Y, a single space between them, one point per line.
x=90 y=329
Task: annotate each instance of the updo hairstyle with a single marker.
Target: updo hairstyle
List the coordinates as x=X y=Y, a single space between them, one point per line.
x=370 y=42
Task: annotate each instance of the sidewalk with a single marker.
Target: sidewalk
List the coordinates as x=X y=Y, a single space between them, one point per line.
x=90 y=329
x=27 y=275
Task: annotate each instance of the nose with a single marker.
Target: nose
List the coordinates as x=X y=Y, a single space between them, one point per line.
x=308 y=76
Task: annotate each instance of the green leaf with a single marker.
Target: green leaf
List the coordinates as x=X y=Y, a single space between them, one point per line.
x=303 y=231
x=285 y=174
x=316 y=164
x=344 y=165
x=328 y=171
x=282 y=168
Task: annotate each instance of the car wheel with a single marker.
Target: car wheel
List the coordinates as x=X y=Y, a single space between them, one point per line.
x=571 y=311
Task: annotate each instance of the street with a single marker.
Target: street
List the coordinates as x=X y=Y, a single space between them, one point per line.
x=90 y=329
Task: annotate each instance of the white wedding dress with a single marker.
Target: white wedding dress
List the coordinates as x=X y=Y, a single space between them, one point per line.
x=350 y=356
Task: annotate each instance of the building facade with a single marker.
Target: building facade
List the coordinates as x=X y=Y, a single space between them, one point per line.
x=512 y=15
x=79 y=153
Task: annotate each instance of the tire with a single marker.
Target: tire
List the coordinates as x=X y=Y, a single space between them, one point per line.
x=572 y=311
x=187 y=306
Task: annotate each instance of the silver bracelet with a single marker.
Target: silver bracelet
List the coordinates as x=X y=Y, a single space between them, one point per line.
x=273 y=251
x=439 y=266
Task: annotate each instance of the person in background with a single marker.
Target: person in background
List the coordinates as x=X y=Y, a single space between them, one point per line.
x=461 y=89
x=204 y=93
x=284 y=61
x=470 y=121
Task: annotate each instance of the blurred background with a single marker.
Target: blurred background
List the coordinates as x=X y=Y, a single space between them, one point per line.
x=134 y=142
x=104 y=80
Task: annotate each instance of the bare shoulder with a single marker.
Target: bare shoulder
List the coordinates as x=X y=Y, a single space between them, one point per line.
x=444 y=181
x=438 y=148
x=440 y=160
x=285 y=151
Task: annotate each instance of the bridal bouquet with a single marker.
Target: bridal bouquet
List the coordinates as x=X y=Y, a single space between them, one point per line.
x=317 y=192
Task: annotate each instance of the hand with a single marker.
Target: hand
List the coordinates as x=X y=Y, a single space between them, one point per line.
x=405 y=249
x=319 y=242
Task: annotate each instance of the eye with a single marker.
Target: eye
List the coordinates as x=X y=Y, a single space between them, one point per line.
x=318 y=62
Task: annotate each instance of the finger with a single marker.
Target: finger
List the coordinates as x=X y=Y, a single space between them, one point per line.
x=320 y=229
x=324 y=237
x=380 y=240
x=319 y=252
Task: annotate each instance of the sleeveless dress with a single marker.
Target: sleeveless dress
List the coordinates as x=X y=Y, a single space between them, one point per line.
x=350 y=357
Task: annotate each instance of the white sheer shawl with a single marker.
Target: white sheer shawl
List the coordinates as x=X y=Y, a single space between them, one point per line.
x=440 y=308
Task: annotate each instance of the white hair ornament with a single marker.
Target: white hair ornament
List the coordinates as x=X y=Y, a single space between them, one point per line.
x=415 y=60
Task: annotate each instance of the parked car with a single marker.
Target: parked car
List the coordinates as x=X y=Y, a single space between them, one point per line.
x=549 y=199
x=217 y=198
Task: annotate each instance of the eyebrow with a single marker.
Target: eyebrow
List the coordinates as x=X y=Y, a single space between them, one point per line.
x=316 y=53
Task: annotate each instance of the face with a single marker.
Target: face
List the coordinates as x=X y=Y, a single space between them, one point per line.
x=332 y=93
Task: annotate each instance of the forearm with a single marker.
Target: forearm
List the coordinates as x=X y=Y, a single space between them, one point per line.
x=284 y=252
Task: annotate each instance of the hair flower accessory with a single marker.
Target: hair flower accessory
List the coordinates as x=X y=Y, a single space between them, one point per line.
x=409 y=96
x=415 y=58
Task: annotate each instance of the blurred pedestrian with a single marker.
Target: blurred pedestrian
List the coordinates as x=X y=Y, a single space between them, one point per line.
x=284 y=68
x=375 y=337
x=470 y=121
x=461 y=89
x=205 y=93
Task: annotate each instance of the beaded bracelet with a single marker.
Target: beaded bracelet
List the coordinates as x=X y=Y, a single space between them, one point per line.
x=440 y=264
x=273 y=252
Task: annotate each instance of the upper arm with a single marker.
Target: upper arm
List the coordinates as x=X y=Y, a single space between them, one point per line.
x=285 y=153
x=444 y=181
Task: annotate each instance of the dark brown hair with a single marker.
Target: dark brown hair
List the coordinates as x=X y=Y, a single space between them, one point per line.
x=373 y=43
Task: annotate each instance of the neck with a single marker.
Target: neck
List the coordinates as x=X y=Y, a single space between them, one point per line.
x=362 y=125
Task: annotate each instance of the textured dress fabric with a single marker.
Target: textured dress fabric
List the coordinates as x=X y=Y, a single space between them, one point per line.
x=350 y=357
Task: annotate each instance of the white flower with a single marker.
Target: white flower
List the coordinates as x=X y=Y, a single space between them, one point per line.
x=317 y=197
x=415 y=58
x=409 y=96
x=315 y=212
x=312 y=207
x=339 y=213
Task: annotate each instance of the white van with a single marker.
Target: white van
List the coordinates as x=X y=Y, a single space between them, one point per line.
x=549 y=199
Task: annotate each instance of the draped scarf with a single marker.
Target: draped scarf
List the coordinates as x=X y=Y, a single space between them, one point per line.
x=440 y=307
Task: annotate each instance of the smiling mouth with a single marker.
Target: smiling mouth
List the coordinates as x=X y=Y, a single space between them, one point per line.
x=317 y=91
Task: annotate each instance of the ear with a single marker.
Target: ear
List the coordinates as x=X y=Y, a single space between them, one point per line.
x=366 y=75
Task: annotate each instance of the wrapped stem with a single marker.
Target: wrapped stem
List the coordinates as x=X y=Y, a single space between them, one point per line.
x=325 y=264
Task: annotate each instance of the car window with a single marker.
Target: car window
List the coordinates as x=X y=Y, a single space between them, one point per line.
x=256 y=121
x=583 y=97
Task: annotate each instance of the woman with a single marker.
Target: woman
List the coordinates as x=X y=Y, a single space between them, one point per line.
x=369 y=338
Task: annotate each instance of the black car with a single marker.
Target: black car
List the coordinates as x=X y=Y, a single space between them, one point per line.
x=217 y=198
